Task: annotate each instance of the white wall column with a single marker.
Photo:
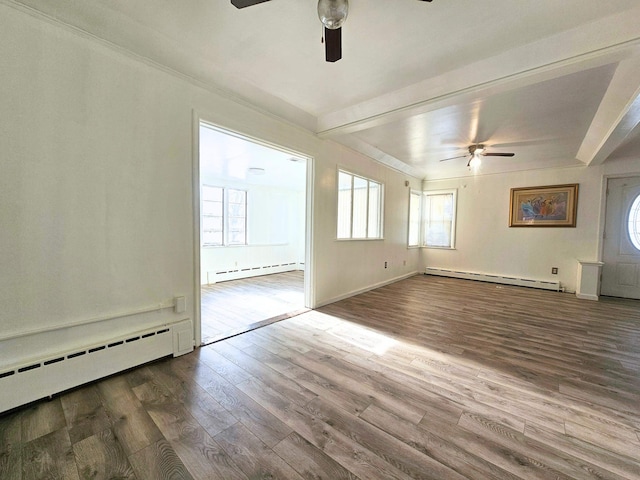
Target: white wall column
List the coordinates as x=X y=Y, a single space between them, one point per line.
x=588 y=283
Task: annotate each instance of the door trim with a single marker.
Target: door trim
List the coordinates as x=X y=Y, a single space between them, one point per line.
x=603 y=213
x=309 y=270
x=603 y=208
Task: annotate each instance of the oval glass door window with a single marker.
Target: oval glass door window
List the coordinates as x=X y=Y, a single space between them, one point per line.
x=634 y=223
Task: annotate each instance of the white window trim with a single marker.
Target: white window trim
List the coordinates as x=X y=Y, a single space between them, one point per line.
x=420 y=196
x=633 y=218
x=225 y=217
x=453 y=191
x=203 y=215
x=380 y=209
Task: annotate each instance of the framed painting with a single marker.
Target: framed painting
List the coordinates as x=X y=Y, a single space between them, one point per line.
x=550 y=206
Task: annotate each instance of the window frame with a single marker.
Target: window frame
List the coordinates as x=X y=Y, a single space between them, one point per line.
x=419 y=196
x=633 y=220
x=204 y=215
x=226 y=215
x=227 y=210
x=366 y=210
x=452 y=233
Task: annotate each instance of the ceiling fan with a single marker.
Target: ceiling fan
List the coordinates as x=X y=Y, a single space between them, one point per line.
x=477 y=151
x=332 y=14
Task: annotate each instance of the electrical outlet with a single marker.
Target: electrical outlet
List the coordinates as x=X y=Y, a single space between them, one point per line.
x=554 y=270
x=385 y=264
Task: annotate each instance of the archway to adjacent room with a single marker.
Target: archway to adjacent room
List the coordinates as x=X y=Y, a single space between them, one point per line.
x=252 y=211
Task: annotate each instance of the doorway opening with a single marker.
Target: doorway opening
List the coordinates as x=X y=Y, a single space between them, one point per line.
x=253 y=229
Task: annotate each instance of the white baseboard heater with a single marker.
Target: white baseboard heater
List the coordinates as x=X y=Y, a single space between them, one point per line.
x=25 y=383
x=246 y=272
x=485 y=277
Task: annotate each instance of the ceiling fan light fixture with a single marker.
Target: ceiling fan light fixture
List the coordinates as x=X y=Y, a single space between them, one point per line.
x=475 y=162
x=477 y=149
x=333 y=13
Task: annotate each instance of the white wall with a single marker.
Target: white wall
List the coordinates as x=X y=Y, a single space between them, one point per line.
x=96 y=190
x=275 y=233
x=486 y=244
x=346 y=267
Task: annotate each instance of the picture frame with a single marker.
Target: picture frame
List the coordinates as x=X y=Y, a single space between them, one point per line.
x=544 y=206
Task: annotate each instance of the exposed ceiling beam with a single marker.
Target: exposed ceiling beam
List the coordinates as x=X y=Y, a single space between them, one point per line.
x=617 y=115
x=609 y=40
x=358 y=145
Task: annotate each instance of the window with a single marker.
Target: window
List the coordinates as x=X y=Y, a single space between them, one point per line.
x=414 y=219
x=212 y=218
x=224 y=216
x=439 y=219
x=634 y=223
x=359 y=207
x=237 y=217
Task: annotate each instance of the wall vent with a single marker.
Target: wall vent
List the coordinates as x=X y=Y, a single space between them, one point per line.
x=485 y=277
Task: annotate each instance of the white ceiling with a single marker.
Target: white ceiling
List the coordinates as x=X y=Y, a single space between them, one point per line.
x=228 y=160
x=554 y=81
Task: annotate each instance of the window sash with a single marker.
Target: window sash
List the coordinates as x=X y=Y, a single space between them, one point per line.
x=223 y=216
x=359 y=207
x=212 y=216
x=439 y=219
x=236 y=217
x=413 y=237
x=633 y=224
x=375 y=210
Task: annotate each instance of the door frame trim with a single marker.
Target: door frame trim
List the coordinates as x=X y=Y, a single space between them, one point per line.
x=603 y=213
x=309 y=270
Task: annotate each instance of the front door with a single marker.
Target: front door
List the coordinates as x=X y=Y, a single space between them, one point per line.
x=621 y=256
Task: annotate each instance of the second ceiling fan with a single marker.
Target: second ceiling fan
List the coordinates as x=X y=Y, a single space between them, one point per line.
x=332 y=14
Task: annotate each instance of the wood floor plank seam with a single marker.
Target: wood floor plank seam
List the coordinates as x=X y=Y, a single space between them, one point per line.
x=533 y=451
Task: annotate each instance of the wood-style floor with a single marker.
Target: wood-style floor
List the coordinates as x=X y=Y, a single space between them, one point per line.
x=235 y=306
x=428 y=378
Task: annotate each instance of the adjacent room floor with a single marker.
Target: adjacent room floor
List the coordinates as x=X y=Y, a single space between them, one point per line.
x=427 y=378
x=236 y=306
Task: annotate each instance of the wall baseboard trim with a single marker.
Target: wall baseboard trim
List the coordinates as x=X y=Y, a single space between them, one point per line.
x=366 y=289
x=491 y=278
x=587 y=296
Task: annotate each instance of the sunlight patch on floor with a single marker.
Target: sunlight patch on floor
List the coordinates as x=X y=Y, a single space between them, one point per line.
x=364 y=338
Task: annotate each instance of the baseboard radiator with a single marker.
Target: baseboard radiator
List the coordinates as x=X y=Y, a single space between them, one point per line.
x=44 y=377
x=246 y=272
x=485 y=277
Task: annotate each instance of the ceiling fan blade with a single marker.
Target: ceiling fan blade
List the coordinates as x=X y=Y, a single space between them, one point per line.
x=453 y=158
x=525 y=143
x=333 y=44
x=497 y=154
x=246 y=3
